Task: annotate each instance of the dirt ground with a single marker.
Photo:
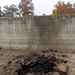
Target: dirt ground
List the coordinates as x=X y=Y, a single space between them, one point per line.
x=9 y=55
x=12 y=55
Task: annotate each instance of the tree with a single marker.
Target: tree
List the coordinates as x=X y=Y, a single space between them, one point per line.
x=63 y=8
x=1 y=13
x=10 y=11
x=43 y=14
x=26 y=7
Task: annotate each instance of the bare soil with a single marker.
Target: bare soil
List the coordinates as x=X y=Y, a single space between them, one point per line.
x=10 y=56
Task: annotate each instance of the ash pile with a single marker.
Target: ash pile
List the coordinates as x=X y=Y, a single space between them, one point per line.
x=37 y=64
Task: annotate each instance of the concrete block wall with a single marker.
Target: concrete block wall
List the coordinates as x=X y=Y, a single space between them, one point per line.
x=15 y=32
x=56 y=32
x=39 y=32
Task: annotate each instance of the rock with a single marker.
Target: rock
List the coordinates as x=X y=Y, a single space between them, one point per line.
x=65 y=56
x=73 y=57
x=62 y=67
x=9 y=62
x=21 y=61
x=53 y=58
x=55 y=73
x=29 y=74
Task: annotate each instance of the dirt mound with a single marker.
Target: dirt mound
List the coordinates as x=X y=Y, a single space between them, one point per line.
x=37 y=64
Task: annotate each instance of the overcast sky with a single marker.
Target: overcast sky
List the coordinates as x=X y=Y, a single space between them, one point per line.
x=40 y=6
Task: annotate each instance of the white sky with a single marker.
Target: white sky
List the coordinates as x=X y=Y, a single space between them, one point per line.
x=40 y=6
